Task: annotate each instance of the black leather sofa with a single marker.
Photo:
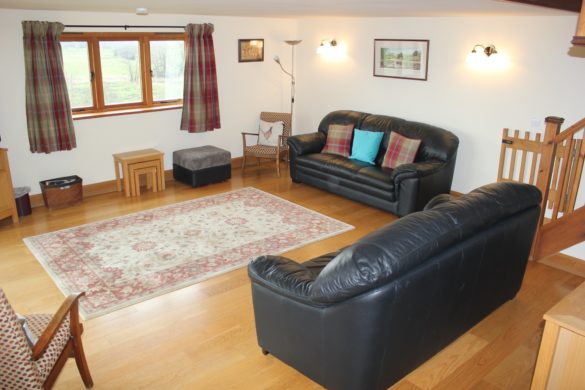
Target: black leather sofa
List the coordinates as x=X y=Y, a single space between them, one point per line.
x=400 y=191
x=367 y=315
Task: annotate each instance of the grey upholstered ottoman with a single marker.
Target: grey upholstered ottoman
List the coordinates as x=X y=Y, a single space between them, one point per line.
x=202 y=165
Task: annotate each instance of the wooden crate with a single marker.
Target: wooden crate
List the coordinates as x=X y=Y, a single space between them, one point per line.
x=62 y=192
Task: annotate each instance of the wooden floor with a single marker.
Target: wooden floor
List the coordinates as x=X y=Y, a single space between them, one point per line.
x=203 y=336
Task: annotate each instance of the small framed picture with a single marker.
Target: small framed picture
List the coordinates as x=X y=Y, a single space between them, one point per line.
x=250 y=50
x=401 y=58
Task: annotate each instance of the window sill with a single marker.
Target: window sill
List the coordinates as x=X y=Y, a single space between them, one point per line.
x=89 y=115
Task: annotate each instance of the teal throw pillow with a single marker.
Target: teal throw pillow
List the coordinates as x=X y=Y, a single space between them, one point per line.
x=365 y=145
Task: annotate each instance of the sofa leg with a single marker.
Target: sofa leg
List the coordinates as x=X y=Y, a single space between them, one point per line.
x=265 y=352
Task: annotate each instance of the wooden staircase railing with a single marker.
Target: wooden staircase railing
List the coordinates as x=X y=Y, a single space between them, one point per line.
x=555 y=166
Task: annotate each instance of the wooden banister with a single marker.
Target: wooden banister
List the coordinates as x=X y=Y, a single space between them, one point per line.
x=561 y=158
x=570 y=131
x=549 y=147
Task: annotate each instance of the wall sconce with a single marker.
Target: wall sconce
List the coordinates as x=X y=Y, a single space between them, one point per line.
x=486 y=58
x=332 y=50
x=327 y=46
x=488 y=50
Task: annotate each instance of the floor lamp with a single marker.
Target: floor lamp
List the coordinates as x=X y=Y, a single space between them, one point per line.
x=292 y=44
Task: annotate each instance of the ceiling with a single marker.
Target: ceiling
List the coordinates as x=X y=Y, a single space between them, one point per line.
x=295 y=8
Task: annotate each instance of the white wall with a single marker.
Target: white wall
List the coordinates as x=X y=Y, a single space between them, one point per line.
x=245 y=89
x=542 y=80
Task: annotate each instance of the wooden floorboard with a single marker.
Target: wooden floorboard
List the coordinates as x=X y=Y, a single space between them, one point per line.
x=203 y=336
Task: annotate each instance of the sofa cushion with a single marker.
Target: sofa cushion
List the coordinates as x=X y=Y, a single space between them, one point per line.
x=339 y=140
x=377 y=177
x=365 y=145
x=401 y=150
x=332 y=164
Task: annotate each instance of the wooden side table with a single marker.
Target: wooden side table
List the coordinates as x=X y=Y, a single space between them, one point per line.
x=562 y=349
x=7 y=204
x=137 y=156
x=151 y=177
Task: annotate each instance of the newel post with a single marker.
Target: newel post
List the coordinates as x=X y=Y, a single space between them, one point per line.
x=545 y=168
x=579 y=38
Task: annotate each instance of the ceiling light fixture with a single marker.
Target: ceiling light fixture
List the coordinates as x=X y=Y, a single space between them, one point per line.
x=141 y=11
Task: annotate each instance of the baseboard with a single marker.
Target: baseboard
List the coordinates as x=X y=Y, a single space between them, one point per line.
x=565 y=263
x=106 y=187
x=93 y=189
x=236 y=163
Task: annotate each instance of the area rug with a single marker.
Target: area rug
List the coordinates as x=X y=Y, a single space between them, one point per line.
x=125 y=260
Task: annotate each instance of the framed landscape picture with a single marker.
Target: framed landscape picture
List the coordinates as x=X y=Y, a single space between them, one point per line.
x=401 y=58
x=250 y=50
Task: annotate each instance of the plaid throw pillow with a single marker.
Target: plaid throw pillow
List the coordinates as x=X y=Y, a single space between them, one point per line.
x=401 y=150
x=338 y=140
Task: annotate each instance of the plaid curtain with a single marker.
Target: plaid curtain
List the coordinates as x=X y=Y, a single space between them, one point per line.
x=200 y=102
x=48 y=113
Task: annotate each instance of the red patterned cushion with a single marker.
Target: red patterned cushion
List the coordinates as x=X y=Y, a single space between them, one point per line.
x=338 y=140
x=401 y=150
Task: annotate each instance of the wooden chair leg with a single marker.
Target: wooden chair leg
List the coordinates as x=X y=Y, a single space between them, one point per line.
x=76 y=329
x=278 y=166
x=81 y=362
x=243 y=162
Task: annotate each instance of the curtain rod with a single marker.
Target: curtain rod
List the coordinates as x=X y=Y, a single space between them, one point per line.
x=124 y=26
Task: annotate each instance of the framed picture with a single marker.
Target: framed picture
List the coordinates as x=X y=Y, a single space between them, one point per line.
x=250 y=50
x=401 y=58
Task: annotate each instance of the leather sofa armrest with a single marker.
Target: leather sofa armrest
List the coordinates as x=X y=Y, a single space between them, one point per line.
x=415 y=184
x=282 y=275
x=419 y=169
x=307 y=143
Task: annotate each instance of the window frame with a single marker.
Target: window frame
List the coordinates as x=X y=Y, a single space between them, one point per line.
x=99 y=108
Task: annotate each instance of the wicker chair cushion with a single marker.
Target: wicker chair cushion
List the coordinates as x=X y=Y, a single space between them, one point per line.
x=261 y=150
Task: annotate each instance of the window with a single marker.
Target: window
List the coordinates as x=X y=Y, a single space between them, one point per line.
x=123 y=72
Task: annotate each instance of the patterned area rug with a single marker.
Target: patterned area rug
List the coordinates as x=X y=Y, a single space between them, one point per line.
x=125 y=260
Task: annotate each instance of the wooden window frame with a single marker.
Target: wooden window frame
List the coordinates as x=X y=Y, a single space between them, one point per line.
x=99 y=107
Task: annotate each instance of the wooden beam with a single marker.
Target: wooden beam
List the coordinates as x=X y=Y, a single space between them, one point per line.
x=567 y=5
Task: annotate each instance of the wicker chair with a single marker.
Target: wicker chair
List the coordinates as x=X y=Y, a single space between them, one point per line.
x=36 y=347
x=269 y=152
